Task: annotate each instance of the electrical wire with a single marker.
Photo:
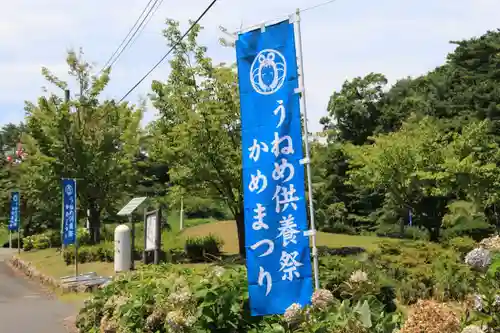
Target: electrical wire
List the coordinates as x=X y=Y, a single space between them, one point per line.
x=171 y=49
x=136 y=29
x=317 y=6
x=322 y=4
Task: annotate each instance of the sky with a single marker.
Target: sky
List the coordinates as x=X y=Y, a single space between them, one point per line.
x=341 y=40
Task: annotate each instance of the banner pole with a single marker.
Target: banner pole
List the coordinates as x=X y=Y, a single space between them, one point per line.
x=19 y=224
x=10 y=239
x=76 y=233
x=307 y=159
x=19 y=238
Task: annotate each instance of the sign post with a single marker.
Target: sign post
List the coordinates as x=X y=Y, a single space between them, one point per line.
x=15 y=219
x=69 y=218
x=152 y=234
x=127 y=210
x=276 y=227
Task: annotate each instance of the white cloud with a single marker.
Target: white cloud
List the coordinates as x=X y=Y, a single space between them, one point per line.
x=342 y=40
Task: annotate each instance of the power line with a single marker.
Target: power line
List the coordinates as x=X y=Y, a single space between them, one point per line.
x=171 y=49
x=317 y=6
x=133 y=33
x=301 y=10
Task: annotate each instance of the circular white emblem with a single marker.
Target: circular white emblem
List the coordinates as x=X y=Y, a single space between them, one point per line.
x=69 y=189
x=268 y=72
x=14 y=197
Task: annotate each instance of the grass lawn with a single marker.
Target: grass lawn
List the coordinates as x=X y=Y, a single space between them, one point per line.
x=227 y=232
x=50 y=262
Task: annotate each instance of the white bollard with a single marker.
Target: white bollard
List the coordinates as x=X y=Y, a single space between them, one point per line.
x=123 y=248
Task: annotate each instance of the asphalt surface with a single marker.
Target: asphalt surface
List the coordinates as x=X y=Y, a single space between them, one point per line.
x=25 y=307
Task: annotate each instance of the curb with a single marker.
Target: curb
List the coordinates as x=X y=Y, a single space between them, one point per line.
x=31 y=272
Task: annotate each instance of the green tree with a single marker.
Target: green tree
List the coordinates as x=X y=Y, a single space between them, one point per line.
x=86 y=138
x=423 y=168
x=353 y=111
x=198 y=130
x=10 y=136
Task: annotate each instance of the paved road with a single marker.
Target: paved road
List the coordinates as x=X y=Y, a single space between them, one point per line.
x=25 y=307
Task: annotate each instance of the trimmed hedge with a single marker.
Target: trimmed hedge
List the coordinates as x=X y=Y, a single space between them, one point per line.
x=201 y=248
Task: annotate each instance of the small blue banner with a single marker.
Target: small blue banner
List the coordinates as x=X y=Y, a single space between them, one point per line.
x=278 y=253
x=14 y=223
x=69 y=211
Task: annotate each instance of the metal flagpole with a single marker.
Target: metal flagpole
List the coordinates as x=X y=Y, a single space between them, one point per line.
x=307 y=160
x=76 y=233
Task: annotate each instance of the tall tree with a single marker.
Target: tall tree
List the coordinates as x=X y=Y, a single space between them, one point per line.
x=88 y=139
x=198 y=133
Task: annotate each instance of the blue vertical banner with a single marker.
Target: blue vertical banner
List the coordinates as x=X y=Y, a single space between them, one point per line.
x=14 y=222
x=278 y=252
x=410 y=219
x=69 y=211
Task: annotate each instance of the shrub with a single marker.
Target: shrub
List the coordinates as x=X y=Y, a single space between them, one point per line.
x=83 y=236
x=476 y=229
x=41 y=242
x=431 y=317
x=27 y=243
x=99 y=253
x=486 y=309
x=494 y=268
x=409 y=232
x=420 y=270
x=37 y=242
x=340 y=251
x=54 y=237
x=492 y=243
x=462 y=245
x=339 y=228
x=202 y=248
x=216 y=300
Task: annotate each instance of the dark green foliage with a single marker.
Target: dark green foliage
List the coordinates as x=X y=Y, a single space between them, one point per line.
x=462 y=245
x=203 y=248
x=341 y=251
x=455 y=161
x=98 y=253
x=217 y=301
x=408 y=270
x=394 y=231
x=487 y=314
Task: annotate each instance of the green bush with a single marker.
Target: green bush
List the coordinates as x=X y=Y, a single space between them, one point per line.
x=37 y=242
x=475 y=229
x=409 y=232
x=170 y=299
x=27 y=243
x=462 y=245
x=494 y=269
x=41 y=242
x=203 y=248
x=412 y=270
x=83 y=236
x=99 y=253
x=339 y=228
x=486 y=313
x=54 y=237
